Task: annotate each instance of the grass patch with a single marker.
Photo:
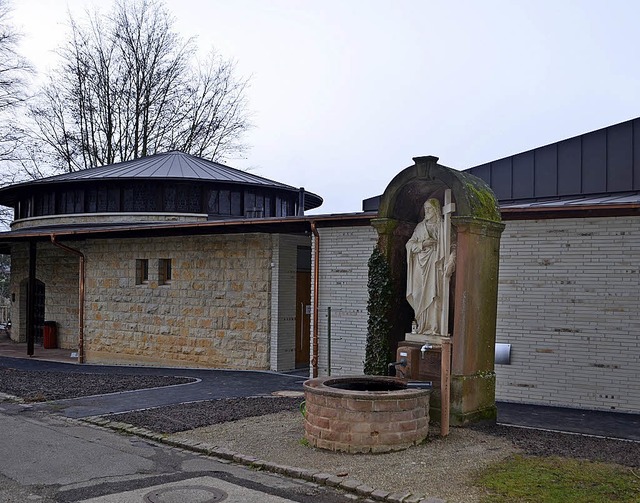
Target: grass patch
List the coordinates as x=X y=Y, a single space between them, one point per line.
x=521 y=479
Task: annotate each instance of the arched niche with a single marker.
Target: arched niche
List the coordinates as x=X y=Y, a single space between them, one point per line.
x=477 y=226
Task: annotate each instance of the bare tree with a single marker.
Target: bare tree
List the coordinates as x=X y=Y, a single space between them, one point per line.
x=14 y=72
x=129 y=86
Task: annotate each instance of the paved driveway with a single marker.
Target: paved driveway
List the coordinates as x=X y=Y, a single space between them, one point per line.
x=210 y=385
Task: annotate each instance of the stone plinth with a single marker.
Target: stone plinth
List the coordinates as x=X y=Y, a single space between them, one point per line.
x=362 y=414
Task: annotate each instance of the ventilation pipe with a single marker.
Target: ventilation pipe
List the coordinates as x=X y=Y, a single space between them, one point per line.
x=301 y=202
x=79 y=254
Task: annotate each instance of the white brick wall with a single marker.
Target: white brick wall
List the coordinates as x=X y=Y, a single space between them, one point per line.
x=343 y=271
x=568 y=303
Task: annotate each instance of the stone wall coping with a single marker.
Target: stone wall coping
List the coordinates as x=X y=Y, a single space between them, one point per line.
x=108 y=216
x=321 y=386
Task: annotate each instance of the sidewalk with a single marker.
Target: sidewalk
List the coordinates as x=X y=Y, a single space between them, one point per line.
x=586 y=422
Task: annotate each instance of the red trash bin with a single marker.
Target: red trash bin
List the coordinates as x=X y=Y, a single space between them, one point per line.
x=50 y=335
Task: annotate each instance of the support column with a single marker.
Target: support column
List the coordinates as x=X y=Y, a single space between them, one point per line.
x=474 y=327
x=31 y=299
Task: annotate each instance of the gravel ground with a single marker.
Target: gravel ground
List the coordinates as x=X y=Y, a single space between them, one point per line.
x=43 y=386
x=188 y=416
x=440 y=467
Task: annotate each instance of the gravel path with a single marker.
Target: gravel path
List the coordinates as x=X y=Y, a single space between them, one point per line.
x=441 y=467
x=41 y=386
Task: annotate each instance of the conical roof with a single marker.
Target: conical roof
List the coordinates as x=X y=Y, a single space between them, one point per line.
x=172 y=165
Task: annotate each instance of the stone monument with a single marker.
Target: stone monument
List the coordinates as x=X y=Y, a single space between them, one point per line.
x=439 y=229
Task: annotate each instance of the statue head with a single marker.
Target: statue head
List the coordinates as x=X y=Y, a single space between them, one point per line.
x=432 y=209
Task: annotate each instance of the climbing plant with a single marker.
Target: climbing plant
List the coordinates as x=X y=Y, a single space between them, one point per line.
x=378 y=308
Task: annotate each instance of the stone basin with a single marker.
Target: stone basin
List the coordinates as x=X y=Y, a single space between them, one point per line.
x=365 y=413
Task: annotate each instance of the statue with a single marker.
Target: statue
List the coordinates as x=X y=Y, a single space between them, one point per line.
x=430 y=264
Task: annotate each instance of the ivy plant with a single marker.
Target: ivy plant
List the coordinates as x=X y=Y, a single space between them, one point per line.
x=378 y=308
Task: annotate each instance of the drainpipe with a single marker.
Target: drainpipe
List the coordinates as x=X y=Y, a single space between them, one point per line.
x=79 y=254
x=301 y=202
x=316 y=280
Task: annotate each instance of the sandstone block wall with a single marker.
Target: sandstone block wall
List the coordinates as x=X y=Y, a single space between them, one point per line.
x=215 y=311
x=59 y=271
x=569 y=293
x=343 y=273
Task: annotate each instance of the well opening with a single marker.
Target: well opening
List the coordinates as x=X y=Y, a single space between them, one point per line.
x=365 y=384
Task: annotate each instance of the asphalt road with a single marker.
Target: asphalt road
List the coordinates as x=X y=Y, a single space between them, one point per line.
x=49 y=458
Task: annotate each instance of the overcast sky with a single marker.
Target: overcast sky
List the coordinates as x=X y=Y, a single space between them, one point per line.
x=346 y=92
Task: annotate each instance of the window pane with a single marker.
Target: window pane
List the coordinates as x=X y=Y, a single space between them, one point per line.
x=225 y=202
x=236 y=203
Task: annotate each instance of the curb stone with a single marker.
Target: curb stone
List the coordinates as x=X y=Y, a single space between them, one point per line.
x=352 y=486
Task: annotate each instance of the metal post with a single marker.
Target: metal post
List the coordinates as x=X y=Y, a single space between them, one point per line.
x=329 y=340
x=31 y=299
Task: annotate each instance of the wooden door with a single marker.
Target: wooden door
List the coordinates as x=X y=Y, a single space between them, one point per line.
x=303 y=317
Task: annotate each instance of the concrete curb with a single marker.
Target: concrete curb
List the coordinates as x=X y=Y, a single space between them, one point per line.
x=352 y=486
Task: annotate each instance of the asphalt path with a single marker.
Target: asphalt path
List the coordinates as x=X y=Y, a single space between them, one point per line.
x=214 y=384
x=52 y=459
x=210 y=385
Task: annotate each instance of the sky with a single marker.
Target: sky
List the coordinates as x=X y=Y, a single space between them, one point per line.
x=344 y=93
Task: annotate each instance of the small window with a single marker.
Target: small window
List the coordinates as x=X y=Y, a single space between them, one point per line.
x=142 y=271
x=164 y=271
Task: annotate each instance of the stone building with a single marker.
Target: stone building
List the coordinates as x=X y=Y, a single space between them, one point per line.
x=169 y=259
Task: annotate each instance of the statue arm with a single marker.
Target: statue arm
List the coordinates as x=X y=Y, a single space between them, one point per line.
x=414 y=245
x=450 y=265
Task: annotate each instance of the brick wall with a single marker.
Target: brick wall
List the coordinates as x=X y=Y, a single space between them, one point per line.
x=343 y=271
x=568 y=303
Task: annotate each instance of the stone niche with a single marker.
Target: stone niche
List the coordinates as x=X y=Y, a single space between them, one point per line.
x=476 y=228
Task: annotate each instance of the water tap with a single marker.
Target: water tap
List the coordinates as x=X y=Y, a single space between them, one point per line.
x=424 y=349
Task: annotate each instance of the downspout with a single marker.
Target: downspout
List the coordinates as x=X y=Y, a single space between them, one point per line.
x=79 y=254
x=316 y=281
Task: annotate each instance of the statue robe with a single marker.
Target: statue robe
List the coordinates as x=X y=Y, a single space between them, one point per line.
x=425 y=275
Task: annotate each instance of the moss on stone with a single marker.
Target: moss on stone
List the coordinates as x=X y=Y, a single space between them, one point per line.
x=482 y=201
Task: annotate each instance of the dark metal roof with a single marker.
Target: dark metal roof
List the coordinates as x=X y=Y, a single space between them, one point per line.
x=172 y=165
x=597 y=200
x=602 y=162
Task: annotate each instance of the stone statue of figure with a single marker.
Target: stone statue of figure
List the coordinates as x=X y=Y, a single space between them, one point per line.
x=429 y=264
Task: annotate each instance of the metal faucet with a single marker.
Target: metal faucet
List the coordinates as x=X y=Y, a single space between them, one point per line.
x=424 y=349
x=392 y=366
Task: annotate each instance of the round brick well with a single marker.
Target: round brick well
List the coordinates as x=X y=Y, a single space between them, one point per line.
x=364 y=413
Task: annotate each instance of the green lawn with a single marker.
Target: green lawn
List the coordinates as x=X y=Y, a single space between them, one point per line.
x=532 y=479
